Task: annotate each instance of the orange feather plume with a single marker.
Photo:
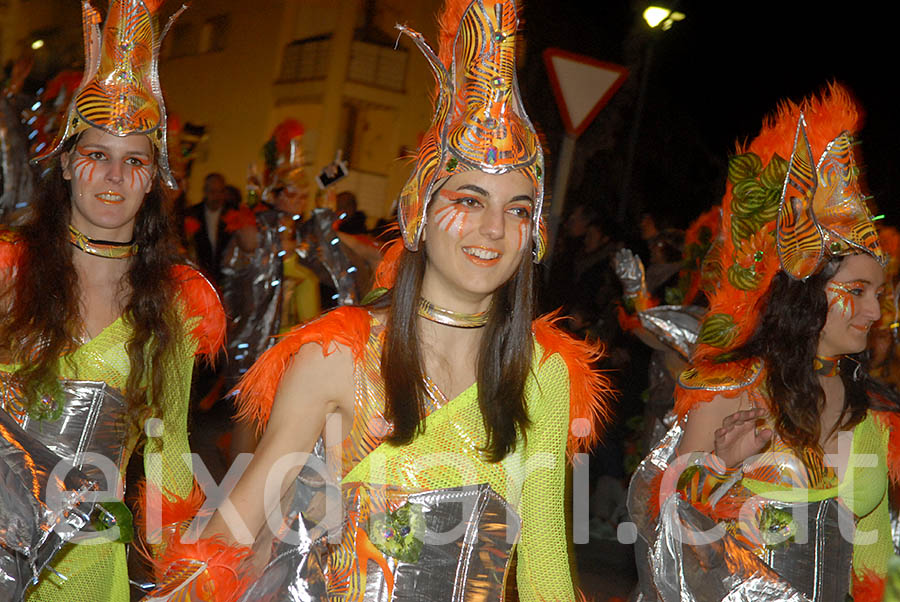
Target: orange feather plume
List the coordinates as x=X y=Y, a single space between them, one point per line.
x=386 y=272
x=347 y=326
x=590 y=391
x=201 y=301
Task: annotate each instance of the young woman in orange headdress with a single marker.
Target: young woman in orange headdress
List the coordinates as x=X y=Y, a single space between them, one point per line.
x=452 y=410
x=776 y=475
x=100 y=322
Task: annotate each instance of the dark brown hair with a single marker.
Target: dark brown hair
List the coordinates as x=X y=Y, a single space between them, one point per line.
x=44 y=318
x=787 y=339
x=503 y=363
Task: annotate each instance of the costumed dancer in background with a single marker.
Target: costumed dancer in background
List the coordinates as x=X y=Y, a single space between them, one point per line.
x=443 y=389
x=266 y=287
x=17 y=179
x=777 y=487
x=670 y=330
x=100 y=325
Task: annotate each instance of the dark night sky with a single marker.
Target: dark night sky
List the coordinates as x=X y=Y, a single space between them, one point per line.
x=712 y=78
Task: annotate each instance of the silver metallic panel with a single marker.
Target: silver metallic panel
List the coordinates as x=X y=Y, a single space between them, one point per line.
x=93 y=420
x=675 y=325
x=38 y=511
x=676 y=564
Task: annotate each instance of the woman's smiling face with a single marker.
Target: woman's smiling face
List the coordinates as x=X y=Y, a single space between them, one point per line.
x=478 y=228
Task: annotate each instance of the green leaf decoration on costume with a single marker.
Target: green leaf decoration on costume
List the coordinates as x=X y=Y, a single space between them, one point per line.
x=777 y=527
x=751 y=195
x=373 y=295
x=741 y=167
x=114 y=514
x=742 y=228
x=399 y=534
x=772 y=177
x=718 y=330
x=51 y=401
x=745 y=279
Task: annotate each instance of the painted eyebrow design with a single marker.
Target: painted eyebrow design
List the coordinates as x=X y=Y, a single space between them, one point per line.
x=106 y=149
x=483 y=192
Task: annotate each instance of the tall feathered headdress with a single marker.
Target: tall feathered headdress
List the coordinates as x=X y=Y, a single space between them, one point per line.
x=479 y=122
x=783 y=211
x=120 y=92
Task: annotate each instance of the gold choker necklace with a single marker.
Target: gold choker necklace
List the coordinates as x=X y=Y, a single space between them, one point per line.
x=827 y=366
x=448 y=317
x=102 y=248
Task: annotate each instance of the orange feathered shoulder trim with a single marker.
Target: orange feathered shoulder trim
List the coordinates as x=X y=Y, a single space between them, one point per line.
x=201 y=300
x=590 y=391
x=348 y=326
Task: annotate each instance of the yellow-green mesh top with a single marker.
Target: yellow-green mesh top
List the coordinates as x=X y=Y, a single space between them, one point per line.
x=454 y=432
x=100 y=572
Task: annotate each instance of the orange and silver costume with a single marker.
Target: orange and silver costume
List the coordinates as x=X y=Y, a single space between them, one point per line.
x=432 y=519
x=87 y=418
x=788 y=525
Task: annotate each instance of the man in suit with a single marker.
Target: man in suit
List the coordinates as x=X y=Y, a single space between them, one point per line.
x=205 y=228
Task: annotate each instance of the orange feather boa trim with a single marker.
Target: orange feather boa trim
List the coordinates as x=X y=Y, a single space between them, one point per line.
x=348 y=326
x=224 y=578
x=891 y=422
x=201 y=301
x=590 y=391
x=868 y=587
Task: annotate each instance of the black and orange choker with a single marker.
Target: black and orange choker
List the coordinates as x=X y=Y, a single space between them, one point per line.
x=448 y=317
x=827 y=366
x=102 y=248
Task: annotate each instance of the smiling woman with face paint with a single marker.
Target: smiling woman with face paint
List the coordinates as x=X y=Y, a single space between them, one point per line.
x=783 y=444
x=452 y=409
x=100 y=326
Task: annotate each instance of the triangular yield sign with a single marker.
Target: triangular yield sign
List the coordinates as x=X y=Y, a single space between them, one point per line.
x=582 y=86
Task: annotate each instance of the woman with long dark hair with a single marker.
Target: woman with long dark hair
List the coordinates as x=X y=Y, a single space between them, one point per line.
x=100 y=322
x=450 y=408
x=776 y=474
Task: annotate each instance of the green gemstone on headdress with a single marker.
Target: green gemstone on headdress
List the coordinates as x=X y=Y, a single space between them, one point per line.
x=835 y=247
x=452 y=163
x=758 y=256
x=538 y=172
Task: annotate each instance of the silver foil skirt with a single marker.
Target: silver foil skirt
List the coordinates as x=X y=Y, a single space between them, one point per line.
x=456 y=545
x=685 y=556
x=93 y=424
x=40 y=509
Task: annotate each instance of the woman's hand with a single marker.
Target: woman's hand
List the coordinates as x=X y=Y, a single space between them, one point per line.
x=739 y=437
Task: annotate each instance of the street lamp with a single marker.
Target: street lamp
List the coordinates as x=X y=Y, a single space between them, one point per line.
x=656 y=16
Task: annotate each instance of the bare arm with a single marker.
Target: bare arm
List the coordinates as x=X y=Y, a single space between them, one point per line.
x=726 y=426
x=313 y=387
